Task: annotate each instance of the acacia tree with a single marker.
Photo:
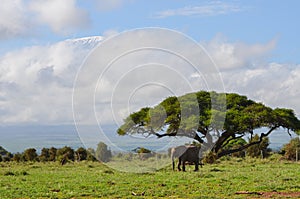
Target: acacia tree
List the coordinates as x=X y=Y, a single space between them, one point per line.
x=30 y=154
x=81 y=154
x=103 y=154
x=213 y=119
x=65 y=153
x=52 y=154
x=44 y=155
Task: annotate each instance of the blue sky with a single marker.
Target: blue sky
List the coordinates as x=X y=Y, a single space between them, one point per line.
x=255 y=44
x=250 y=22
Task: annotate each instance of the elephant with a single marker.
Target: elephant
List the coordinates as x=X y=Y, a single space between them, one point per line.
x=185 y=154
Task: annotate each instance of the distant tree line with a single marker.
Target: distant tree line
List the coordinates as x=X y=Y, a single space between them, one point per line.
x=62 y=155
x=289 y=151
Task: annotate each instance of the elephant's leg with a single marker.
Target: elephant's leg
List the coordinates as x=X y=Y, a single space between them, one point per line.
x=196 y=165
x=179 y=163
x=183 y=165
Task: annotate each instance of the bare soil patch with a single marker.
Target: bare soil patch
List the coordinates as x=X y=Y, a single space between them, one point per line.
x=270 y=194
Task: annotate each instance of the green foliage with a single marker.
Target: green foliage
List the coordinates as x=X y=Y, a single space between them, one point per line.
x=45 y=155
x=143 y=150
x=195 y=115
x=91 y=154
x=102 y=152
x=286 y=118
x=6 y=158
x=3 y=152
x=209 y=158
x=291 y=148
x=5 y=155
x=258 y=150
x=235 y=144
x=144 y=153
x=18 y=157
x=52 y=154
x=30 y=154
x=65 y=153
x=81 y=154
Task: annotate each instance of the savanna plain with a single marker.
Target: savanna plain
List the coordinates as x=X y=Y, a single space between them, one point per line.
x=228 y=178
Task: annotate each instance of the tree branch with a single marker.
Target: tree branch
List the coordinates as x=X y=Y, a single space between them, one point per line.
x=232 y=138
x=262 y=135
x=190 y=134
x=221 y=140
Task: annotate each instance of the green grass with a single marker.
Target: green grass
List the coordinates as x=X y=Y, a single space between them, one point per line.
x=95 y=180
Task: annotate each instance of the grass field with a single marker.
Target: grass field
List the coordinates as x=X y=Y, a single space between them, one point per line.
x=95 y=180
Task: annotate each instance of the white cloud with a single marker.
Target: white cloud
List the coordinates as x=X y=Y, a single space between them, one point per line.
x=36 y=82
x=274 y=84
x=19 y=18
x=244 y=69
x=62 y=16
x=14 y=20
x=232 y=55
x=210 y=9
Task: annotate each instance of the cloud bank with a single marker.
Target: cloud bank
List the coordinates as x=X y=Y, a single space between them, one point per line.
x=62 y=17
x=23 y=18
x=235 y=55
x=19 y=18
x=36 y=83
x=14 y=19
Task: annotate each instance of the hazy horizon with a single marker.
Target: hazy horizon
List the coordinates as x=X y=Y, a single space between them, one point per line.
x=18 y=138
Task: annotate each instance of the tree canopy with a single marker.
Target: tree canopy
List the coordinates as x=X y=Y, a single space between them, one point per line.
x=211 y=118
x=3 y=151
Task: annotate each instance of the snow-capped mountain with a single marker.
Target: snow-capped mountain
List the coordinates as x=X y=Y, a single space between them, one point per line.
x=35 y=77
x=86 y=42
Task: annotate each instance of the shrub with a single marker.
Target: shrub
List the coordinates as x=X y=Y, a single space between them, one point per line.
x=30 y=154
x=258 y=150
x=3 y=152
x=6 y=159
x=289 y=150
x=102 y=152
x=66 y=153
x=45 y=155
x=143 y=150
x=81 y=154
x=52 y=154
x=18 y=157
x=210 y=157
x=90 y=156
